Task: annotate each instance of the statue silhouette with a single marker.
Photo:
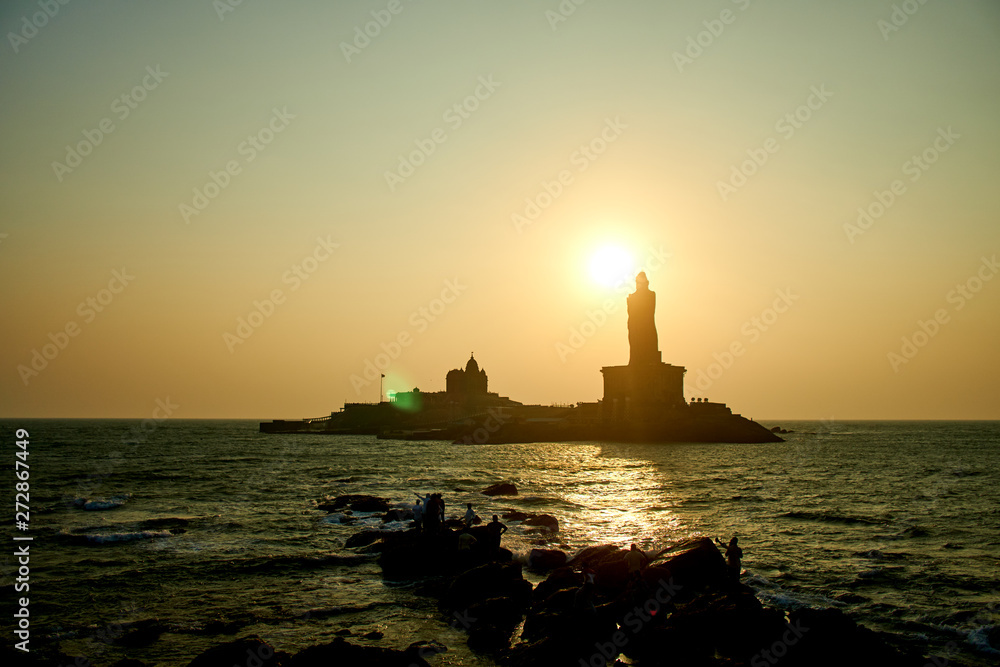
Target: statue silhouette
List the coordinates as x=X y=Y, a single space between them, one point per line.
x=643 y=347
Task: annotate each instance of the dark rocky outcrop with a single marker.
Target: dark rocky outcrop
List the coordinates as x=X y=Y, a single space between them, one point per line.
x=241 y=652
x=140 y=633
x=683 y=610
x=398 y=515
x=356 y=502
x=364 y=538
x=501 y=489
x=342 y=652
x=545 y=520
x=542 y=560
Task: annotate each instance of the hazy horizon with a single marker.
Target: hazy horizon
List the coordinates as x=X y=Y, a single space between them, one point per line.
x=809 y=187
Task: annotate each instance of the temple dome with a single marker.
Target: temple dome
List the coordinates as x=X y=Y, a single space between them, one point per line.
x=472 y=366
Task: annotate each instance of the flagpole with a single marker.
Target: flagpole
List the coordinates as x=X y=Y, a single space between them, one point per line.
x=380 y=387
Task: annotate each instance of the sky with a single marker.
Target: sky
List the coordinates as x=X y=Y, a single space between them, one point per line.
x=253 y=209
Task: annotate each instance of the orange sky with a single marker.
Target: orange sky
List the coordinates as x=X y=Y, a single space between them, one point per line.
x=446 y=180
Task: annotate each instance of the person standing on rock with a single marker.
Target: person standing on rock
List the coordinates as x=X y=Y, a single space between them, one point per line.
x=635 y=559
x=495 y=529
x=418 y=512
x=734 y=555
x=431 y=514
x=470 y=516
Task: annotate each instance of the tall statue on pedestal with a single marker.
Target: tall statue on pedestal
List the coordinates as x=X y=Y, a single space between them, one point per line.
x=643 y=347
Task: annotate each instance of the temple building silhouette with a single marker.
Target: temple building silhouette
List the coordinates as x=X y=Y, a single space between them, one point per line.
x=643 y=402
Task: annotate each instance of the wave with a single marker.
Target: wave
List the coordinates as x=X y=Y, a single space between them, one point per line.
x=825 y=517
x=100 y=504
x=294 y=563
x=106 y=538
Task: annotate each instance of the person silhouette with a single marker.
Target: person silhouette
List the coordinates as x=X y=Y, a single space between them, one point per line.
x=466 y=540
x=420 y=510
x=470 y=516
x=432 y=513
x=495 y=529
x=734 y=555
x=635 y=559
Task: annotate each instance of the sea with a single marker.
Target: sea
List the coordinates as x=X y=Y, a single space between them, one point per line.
x=157 y=540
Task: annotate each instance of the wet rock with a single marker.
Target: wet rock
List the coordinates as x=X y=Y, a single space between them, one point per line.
x=343 y=632
x=501 y=489
x=398 y=515
x=561 y=578
x=141 y=633
x=427 y=648
x=363 y=539
x=357 y=503
x=373 y=635
x=341 y=652
x=696 y=564
x=491 y=623
x=251 y=649
x=597 y=554
x=545 y=520
x=732 y=623
x=546 y=559
x=563 y=636
x=514 y=515
x=490 y=580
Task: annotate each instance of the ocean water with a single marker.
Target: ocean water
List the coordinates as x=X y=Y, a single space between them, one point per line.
x=192 y=528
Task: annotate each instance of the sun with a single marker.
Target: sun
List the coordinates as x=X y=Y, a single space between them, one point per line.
x=610 y=265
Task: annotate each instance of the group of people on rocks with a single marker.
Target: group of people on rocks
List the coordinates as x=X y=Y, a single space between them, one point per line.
x=428 y=515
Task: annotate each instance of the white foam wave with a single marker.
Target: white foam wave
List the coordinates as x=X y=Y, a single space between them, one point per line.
x=98 y=504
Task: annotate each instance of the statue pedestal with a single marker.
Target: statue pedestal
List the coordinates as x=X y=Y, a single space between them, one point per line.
x=642 y=392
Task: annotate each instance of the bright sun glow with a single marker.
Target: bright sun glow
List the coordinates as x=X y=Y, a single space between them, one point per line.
x=611 y=265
